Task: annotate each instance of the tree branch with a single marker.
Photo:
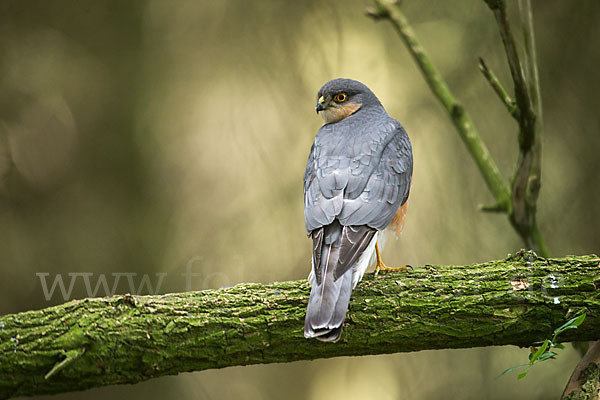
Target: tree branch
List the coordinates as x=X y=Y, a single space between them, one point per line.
x=126 y=339
x=511 y=106
x=519 y=200
x=460 y=118
x=526 y=181
x=584 y=383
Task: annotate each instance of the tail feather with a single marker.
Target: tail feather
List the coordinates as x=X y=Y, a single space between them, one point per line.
x=330 y=291
x=327 y=307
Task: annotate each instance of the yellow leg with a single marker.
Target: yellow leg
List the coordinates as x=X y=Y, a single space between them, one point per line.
x=382 y=267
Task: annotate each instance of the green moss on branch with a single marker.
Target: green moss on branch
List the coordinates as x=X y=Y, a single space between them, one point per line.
x=127 y=339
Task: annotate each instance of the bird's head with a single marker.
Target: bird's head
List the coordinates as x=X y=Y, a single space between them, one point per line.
x=340 y=98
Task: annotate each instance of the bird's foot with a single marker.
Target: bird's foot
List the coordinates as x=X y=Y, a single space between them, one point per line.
x=382 y=267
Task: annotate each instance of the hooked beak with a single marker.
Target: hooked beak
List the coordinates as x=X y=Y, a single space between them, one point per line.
x=321 y=104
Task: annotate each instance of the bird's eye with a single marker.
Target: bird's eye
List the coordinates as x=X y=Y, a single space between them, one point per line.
x=340 y=97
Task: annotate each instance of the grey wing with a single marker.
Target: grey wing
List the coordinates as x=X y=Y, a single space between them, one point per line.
x=325 y=178
x=339 y=168
x=387 y=187
x=309 y=174
x=317 y=208
x=363 y=183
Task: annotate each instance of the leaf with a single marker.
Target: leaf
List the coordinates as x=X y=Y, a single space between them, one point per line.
x=570 y=324
x=547 y=355
x=568 y=327
x=579 y=320
x=523 y=374
x=514 y=368
x=540 y=351
x=544 y=353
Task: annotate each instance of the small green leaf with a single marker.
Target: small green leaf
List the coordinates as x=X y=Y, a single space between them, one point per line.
x=547 y=355
x=570 y=324
x=514 y=368
x=540 y=351
x=569 y=327
x=523 y=374
x=579 y=320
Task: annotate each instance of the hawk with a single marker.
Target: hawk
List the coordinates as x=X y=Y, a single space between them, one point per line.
x=356 y=184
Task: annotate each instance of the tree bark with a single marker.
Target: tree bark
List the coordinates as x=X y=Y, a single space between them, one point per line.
x=584 y=383
x=126 y=339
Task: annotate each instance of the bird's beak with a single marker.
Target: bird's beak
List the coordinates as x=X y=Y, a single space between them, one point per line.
x=321 y=104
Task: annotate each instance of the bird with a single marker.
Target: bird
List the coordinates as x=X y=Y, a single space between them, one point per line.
x=356 y=184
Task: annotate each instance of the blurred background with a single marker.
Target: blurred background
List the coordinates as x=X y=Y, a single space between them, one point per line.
x=155 y=137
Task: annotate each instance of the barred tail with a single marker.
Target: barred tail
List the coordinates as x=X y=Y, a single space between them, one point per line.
x=327 y=306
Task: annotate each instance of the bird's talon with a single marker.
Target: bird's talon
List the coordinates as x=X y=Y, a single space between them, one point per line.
x=383 y=267
x=380 y=266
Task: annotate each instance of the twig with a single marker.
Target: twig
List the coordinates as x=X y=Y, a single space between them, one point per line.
x=492 y=208
x=510 y=104
x=531 y=68
x=70 y=356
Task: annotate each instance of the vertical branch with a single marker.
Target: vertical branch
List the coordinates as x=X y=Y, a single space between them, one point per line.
x=526 y=181
x=533 y=80
x=519 y=200
x=584 y=382
x=531 y=69
x=460 y=118
x=522 y=97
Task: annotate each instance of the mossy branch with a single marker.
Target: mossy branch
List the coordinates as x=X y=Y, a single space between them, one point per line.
x=126 y=339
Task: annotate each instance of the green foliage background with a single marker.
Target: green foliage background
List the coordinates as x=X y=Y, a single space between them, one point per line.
x=137 y=136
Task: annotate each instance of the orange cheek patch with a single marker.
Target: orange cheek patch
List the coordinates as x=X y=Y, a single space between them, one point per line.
x=339 y=112
x=349 y=109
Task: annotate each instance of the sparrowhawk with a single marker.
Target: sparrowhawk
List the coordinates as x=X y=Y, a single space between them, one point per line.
x=356 y=184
